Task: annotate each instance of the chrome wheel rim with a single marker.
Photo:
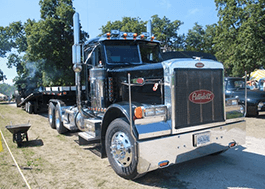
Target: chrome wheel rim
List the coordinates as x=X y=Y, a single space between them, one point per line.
x=57 y=119
x=50 y=115
x=121 y=149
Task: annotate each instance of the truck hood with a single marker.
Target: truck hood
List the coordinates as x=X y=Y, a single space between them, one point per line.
x=143 y=67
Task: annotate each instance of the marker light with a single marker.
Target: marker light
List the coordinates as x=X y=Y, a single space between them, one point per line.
x=138 y=113
x=152 y=38
x=142 y=36
x=108 y=35
x=163 y=163
x=134 y=36
x=232 y=144
x=124 y=35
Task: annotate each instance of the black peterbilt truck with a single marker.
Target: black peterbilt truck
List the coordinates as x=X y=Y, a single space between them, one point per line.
x=146 y=112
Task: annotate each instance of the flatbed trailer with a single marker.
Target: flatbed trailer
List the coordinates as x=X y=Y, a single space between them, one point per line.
x=38 y=101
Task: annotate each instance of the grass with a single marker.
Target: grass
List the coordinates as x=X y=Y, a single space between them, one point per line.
x=9 y=175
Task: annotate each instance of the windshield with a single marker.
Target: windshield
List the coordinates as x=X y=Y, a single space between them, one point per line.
x=122 y=53
x=235 y=84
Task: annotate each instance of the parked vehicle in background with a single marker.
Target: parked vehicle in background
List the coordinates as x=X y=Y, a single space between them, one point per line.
x=3 y=97
x=261 y=84
x=235 y=88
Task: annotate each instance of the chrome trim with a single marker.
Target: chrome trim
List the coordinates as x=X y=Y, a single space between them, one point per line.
x=169 y=85
x=121 y=149
x=130 y=107
x=246 y=93
x=233 y=109
x=198 y=127
x=98 y=77
x=153 y=130
x=150 y=119
x=180 y=148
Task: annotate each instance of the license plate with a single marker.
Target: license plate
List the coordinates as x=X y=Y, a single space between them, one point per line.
x=201 y=139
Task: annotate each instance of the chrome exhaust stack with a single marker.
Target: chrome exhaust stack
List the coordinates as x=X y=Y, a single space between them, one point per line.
x=149 y=28
x=76 y=57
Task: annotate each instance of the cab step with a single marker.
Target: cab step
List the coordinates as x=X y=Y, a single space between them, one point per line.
x=86 y=138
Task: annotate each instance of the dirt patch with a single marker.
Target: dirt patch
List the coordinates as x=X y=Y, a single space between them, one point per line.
x=50 y=160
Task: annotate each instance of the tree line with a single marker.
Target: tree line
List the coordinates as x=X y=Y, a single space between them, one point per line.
x=43 y=48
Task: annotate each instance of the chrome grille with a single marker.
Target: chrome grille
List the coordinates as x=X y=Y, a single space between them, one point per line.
x=188 y=113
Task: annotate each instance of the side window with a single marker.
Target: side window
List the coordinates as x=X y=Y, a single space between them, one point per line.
x=95 y=59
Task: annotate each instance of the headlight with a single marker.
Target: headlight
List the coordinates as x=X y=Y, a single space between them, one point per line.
x=149 y=112
x=140 y=112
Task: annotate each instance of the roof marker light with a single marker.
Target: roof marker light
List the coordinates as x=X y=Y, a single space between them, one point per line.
x=124 y=35
x=108 y=35
x=152 y=38
x=134 y=36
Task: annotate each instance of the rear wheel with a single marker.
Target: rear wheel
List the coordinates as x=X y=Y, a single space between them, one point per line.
x=26 y=107
x=121 y=149
x=58 y=123
x=51 y=115
x=30 y=108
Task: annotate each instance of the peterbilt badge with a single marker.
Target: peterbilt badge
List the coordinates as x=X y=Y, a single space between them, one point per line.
x=199 y=65
x=201 y=96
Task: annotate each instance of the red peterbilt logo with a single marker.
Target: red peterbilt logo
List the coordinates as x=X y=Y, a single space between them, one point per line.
x=199 y=65
x=201 y=96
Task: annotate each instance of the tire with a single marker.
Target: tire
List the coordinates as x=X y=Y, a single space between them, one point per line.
x=252 y=111
x=121 y=149
x=30 y=108
x=26 y=106
x=58 y=123
x=51 y=115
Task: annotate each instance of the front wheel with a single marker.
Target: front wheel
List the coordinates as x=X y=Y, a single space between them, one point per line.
x=121 y=149
x=252 y=111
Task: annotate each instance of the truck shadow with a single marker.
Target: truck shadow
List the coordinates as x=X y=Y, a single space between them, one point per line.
x=234 y=168
x=261 y=116
x=32 y=143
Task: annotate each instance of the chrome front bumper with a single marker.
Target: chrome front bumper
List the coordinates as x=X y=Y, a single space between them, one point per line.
x=180 y=147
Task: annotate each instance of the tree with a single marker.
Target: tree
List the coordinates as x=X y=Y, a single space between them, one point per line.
x=47 y=45
x=166 y=31
x=163 y=29
x=200 y=39
x=127 y=24
x=7 y=89
x=2 y=76
x=5 y=44
x=240 y=36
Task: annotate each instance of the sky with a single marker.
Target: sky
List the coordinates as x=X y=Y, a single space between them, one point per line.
x=96 y=13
